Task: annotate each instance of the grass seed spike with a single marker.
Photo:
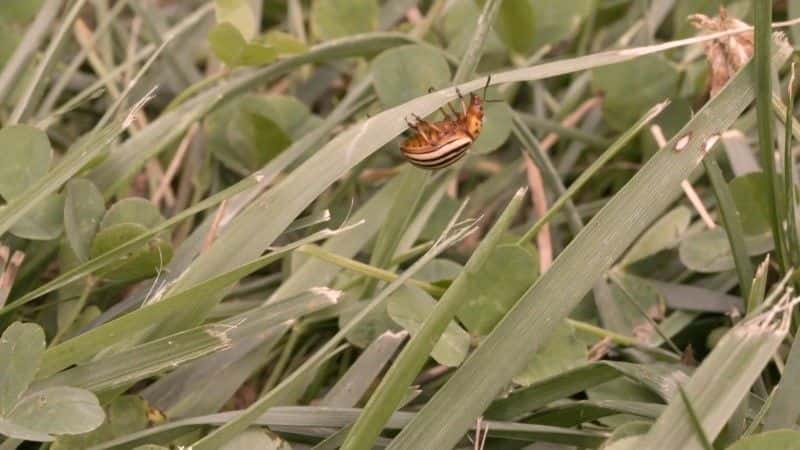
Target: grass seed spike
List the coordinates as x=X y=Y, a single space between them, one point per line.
x=439 y=144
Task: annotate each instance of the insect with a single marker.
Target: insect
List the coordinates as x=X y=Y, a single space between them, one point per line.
x=439 y=144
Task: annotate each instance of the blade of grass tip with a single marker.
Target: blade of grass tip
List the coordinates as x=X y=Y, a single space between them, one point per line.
x=222 y=435
x=29 y=44
x=596 y=165
x=732 y=224
x=762 y=18
x=759 y=287
x=698 y=427
x=387 y=397
x=505 y=352
x=35 y=83
x=724 y=378
x=788 y=176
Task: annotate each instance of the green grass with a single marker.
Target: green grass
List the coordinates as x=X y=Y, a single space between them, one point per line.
x=299 y=285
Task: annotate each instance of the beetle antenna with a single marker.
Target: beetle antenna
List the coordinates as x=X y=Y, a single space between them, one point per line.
x=486 y=86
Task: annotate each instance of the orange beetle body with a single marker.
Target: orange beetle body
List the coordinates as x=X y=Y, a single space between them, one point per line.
x=439 y=144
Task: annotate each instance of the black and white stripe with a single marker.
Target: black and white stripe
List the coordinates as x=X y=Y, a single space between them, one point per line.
x=441 y=156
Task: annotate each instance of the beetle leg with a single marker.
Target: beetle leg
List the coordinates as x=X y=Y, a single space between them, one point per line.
x=463 y=104
x=444 y=111
x=419 y=127
x=425 y=124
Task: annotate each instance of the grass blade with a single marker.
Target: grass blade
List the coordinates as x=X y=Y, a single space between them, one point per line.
x=442 y=422
x=394 y=385
x=723 y=379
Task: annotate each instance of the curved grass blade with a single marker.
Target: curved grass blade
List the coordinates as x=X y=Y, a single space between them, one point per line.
x=442 y=422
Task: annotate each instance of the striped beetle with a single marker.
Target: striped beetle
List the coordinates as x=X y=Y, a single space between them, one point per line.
x=439 y=144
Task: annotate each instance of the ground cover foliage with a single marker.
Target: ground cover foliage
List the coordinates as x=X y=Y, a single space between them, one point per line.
x=210 y=239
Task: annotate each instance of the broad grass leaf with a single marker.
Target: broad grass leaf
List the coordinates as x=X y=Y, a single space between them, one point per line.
x=404 y=73
x=84 y=208
x=409 y=306
x=772 y=440
x=562 y=351
x=125 y=415
x=24 y=160
x=238 y=13
x=58 y=410
x=256 y=438
x=652 y=77
x=749 y=192
x=21 y=350
x=666 y=233
x=136 y=210
x=709 y=251
x=339 y=18
x=506 y=275
x=141 y=263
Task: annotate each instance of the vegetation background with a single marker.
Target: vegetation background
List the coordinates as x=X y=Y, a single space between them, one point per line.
x=210 y=238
